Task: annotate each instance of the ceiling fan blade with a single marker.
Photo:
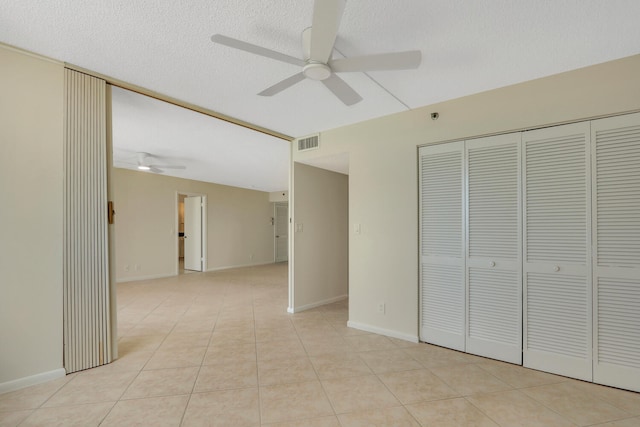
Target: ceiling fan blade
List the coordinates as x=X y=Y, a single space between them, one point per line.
x=379 y=62
x=168 y=166
x=284 y=84
x=324 y=28
x=342 y=90
x=258 y=50
x=155 y=170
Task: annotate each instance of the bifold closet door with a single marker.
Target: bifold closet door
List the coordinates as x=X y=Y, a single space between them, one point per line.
x=494 y=247
x=442 y=251
x=616 y=270
x=557 y=256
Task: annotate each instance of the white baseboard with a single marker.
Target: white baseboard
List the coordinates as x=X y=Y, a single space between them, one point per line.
x=139 y=278
x=32 y=380
x=290 y=310
x=229 y=267
x=316 y=304
x=163 y=276
x=382 y=331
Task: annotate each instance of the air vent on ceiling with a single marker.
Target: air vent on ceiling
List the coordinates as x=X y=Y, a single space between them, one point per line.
x=309 y=142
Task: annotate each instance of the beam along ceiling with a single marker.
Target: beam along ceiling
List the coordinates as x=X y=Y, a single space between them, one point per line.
x=467 y=47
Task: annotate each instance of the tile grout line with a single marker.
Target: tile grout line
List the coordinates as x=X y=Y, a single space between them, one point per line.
x=545 y=405
x=324 y=391
x=186 y=407
x=255 y=346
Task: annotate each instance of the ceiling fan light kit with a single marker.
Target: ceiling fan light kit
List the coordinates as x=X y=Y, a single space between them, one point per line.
x=317 y=47
x=145 y=163
x=316 y=71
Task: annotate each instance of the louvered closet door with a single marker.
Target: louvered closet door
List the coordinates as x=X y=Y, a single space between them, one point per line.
x=494 y=275
x=557 y=229
x=616 y=270
x=442 y=272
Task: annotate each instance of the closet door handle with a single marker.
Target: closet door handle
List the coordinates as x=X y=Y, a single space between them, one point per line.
x=556 y=268
x=492 y=264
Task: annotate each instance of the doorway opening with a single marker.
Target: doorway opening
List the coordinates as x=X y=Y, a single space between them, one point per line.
x=319 y=240
x=281 y=231
x=191 y=239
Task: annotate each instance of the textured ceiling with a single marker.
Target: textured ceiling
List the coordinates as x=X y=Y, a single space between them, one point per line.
x=467 y=47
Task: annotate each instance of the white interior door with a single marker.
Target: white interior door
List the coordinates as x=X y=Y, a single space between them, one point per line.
x=282 y=231
x=557 y=256
x=494 y=248
x=442 y=245
x=616 y=270
x=193 y=233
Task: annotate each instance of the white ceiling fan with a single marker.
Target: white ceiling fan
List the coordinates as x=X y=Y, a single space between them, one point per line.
x=317 y=44
x=146 y=162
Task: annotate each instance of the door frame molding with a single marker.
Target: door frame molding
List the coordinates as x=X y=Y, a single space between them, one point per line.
x=205 y=221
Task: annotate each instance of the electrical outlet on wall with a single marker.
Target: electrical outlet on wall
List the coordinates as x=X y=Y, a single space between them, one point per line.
x=381 y=308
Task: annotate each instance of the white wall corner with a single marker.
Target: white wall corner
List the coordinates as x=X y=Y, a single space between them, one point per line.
x=382 y=331
x=31 y=380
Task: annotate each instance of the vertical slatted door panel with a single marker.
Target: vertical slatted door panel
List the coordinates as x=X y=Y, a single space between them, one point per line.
x=616 y=219
x=494 y=276
x=442 y=287
x=556 y=241
x=87 y=328
x=282 y=231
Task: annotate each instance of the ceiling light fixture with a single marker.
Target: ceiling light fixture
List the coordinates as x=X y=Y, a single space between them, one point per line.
x=144 y=168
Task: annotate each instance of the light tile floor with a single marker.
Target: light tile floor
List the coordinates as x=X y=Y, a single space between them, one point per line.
x=219 y=349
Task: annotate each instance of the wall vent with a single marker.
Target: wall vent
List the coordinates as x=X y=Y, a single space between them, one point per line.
x=309 y=142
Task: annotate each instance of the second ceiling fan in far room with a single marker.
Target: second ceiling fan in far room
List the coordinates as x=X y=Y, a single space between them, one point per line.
x=148 y=163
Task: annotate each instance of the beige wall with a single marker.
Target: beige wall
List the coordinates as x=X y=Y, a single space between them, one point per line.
x=239 y=226
x=31 y=174
x=320 y=250
x=383 y=188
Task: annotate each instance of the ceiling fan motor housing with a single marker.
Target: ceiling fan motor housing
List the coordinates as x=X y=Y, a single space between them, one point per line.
x=143 y=159
x=314 y=70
